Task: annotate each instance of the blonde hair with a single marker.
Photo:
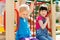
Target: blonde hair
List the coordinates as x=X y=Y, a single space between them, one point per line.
x=24 y=7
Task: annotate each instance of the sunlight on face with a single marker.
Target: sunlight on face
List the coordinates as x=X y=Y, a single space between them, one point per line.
x=24 y=14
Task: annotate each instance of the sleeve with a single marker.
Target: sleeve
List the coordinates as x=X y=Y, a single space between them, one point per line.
x=39 y=18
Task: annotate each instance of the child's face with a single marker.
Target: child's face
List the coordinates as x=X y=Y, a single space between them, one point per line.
x=43 y=13
x=24 y=14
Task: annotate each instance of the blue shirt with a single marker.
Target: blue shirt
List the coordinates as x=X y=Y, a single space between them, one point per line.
x=23 y=30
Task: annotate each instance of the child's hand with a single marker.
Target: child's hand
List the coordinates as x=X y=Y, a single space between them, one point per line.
x=32 y=6
x=48 y=21
x=47 y=18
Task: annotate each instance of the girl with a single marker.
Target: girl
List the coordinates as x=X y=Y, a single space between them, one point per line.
x=41 y=23
x=23 y=29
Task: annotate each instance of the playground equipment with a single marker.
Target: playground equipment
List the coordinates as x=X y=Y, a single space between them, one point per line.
x=9 y=19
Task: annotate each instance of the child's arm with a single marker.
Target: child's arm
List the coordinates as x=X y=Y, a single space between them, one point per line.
x=32 y=6
x=48 y=23
x=22 y=2
x=43 y=25
x=49 y=29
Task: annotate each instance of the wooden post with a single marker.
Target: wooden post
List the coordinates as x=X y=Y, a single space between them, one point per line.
x=10 y=20
x=53 y=10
